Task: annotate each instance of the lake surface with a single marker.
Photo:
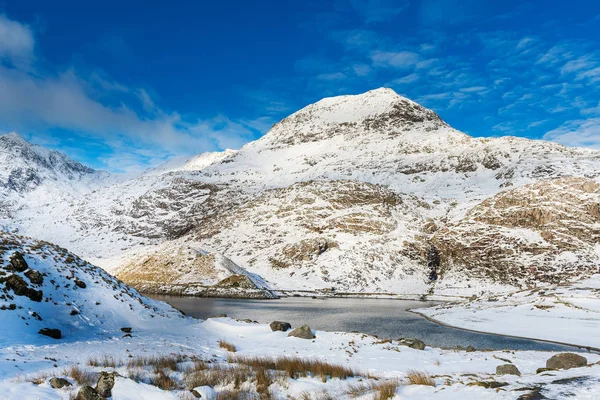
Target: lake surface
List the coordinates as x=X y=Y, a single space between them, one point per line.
x=384 y=318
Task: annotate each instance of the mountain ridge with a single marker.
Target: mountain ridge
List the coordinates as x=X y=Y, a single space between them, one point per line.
x=315 y=192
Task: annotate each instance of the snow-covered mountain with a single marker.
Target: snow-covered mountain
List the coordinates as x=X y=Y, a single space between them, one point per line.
x=32 y=175
x=352 y=192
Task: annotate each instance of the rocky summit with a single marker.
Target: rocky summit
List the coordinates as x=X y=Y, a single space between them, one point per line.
x=369 y=193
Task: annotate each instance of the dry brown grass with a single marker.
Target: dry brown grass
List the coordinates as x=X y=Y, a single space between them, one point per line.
x=236 y=394
x=158 y=362
x=164 y=381
x=224 y=344
x=419 y=378
x=218 y=375
x=82 y=377
x=382 y=390
x=385 y=390
x=105 y=362
x=297 y=367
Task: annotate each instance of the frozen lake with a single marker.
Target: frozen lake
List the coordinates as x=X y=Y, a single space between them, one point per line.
x=384 y=318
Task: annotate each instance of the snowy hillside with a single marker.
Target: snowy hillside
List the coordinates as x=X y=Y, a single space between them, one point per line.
x=33 y=175
x=44 y=286
x=352 y=192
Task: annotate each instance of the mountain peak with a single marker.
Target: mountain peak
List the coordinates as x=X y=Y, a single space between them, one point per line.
x=13 y=137
x=378 y=110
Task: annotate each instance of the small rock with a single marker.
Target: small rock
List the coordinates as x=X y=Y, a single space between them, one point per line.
x=59 y=383
x=35 y=277
x=412 y=343
x=303 y=332
x=470 y=349
x=127 y=329
x=18 y=262
x=566 y=361
x=218 y=316
x=280 y=326
x=540 y=370
x=106 y=382
x=80 y=283
x=88 y=393
x=127 y=335
x=53 y=333
x=507 y=369
x=488 y=384
x=204 y=392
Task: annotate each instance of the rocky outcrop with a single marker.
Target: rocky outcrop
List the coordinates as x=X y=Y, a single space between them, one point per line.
x=105 y=384
x=543 y=232
x=18 y=263
x=20 y=288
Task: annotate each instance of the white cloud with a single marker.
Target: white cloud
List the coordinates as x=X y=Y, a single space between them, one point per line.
x=96 y=107
x=406 y=79
x=577 y=133
x=16 y=43
x=399 y=59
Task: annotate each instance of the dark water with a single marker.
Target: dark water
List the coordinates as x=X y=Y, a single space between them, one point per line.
x=384 y=318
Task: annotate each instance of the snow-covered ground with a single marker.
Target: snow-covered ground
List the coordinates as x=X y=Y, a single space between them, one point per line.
x=567 y=313
x=455 y=372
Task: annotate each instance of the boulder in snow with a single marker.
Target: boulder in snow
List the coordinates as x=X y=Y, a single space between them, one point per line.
x=566 y=361
x=303 y=332
x=280 y=326
x=507 y=369
x=53 y=333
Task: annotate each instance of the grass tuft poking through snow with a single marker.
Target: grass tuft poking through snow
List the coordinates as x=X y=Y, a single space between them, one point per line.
x=419 y=378
x=227 y=346
x=297 y=367
x=82 y=377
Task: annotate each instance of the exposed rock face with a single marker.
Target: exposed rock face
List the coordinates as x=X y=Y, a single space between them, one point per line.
x=543 y=232
x=507 y=369
x=280 y=326
x=34 y=277
x=566 y=361
x=18 y=262
x=303 y=332
x=20 y=288
x=181 y=269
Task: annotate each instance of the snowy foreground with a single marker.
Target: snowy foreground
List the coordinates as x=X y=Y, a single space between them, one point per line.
x=26 y=369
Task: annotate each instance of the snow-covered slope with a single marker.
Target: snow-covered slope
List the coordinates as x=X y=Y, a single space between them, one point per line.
x=45 y=286
x=348 y=192
x=32 y=175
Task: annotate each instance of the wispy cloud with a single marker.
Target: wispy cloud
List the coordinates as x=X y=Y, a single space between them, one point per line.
x=99 y=108
x=577 y=133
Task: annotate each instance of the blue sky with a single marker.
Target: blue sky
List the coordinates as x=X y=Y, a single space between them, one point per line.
x=122 y=85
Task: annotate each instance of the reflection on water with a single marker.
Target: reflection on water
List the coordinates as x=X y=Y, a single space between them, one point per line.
x=384 y=318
